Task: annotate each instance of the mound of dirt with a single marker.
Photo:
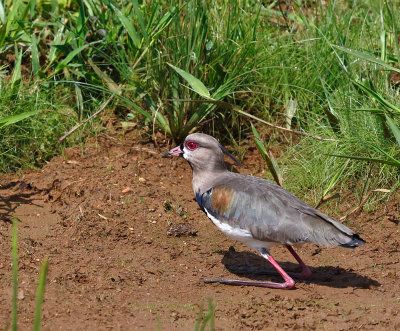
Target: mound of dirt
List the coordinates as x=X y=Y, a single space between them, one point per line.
x=128 y=248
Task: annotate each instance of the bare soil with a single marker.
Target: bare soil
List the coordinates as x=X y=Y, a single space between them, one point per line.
x=108 y=217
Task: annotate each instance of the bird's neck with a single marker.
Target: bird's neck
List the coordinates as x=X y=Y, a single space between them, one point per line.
x=205 y=179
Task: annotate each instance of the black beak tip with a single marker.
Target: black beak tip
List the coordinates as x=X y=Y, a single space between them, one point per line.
x=166 y=154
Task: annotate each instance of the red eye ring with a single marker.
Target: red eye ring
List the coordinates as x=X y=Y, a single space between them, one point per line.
x=191 y=145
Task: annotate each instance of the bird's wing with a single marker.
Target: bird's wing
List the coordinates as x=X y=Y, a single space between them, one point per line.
x=271 y=213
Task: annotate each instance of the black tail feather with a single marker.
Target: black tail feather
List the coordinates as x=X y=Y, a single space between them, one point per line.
x=355 y=241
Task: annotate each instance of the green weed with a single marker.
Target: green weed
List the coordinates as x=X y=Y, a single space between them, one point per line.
x=31 y=123
x=40 y=287
x=206 y=318
x=14 y=254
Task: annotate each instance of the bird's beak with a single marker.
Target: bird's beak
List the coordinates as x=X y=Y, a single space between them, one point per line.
x=177 y=151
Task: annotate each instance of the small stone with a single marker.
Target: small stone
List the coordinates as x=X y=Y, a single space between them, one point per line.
x=142 y=180
x=126 y=190
x=20 y=295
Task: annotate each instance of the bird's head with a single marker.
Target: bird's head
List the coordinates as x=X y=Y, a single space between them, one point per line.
x=203 y=152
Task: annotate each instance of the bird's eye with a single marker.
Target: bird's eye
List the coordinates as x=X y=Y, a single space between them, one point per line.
x=191 y=145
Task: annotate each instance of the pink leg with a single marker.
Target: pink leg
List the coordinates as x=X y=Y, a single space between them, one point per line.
x=305 y=270
x=288 y=284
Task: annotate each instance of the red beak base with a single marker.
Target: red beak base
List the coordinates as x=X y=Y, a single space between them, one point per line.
x=177 y=151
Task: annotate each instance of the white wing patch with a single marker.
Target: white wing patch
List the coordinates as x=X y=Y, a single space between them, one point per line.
x=242 y=235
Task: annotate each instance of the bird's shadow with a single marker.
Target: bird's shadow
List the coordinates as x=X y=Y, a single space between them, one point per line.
x=256 y=267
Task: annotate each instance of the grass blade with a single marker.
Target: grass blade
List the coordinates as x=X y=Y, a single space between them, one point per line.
x=163 y=23
x=140 y=17
x=39 y=295
x=57 y=41
x=32 y=4
x=14 y=254
x=390 y=157
x=370 y=110
x=329 y=111
x=268 y=158
x=376 y=97
x=2 y=14
x=335 y=179
x=16 y=118
x=290 y=111
x=208 y=318
x=71 y=55
x=325 y=195
x=194 y=83
x=126 y=22
x=367 y=57
x=394 y=20
x=371 y=159
x=35 y=55
x=104 y=77
x=394 y=128
x=80 y=22
x=16 y=77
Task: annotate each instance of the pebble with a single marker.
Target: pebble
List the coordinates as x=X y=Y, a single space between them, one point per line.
x=126 y=190
x=21 y=295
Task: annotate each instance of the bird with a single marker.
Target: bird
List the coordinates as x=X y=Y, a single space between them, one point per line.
x=255 y=211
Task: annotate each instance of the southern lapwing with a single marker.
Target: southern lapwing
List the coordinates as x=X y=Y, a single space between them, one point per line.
x=255 y=211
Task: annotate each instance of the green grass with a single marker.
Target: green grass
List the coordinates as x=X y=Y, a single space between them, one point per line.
x=326 y=69
x=40 y=295
x=14 y=254
x=37 y=118
x=40 y=287
x=320 y=71
x=207 y=318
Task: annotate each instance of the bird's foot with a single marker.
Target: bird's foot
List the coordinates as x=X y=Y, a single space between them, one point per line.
x=287 y=285
x=304 y=274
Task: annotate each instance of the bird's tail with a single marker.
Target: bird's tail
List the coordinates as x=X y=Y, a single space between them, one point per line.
x=355 y=241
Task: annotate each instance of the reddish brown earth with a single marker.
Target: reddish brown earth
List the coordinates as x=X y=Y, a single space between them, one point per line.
x=101 y=214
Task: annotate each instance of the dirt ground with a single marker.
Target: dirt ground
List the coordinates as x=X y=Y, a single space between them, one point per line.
x=101 y=215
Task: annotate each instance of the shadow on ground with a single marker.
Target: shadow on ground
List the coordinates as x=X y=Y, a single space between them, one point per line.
x=255 y=267
x=8 y=204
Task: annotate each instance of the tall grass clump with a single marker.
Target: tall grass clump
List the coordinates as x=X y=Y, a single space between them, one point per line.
x=92 y=48
x=337 y=62
x=325 y=68
x=31 y=123
x=212 y=41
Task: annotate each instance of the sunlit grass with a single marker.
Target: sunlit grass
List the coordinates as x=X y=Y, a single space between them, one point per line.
x=30 y=140
x=323 y=68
